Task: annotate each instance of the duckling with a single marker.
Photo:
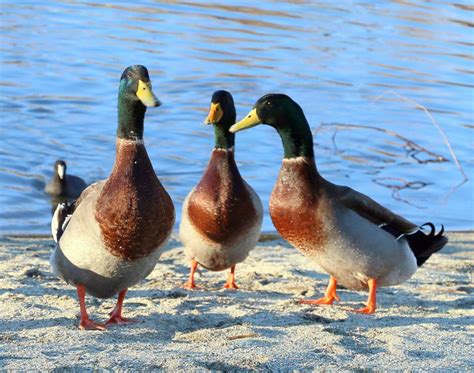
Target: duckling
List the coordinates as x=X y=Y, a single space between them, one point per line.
x=361 y=244
x=222 y=215
x=113 y=235
x=63 y=185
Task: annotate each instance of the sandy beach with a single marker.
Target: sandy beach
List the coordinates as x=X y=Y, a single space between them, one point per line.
x=423 y=324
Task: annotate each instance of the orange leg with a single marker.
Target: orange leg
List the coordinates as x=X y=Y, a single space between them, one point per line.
x=329 y=296
x=85 y=323
x=372 y=300
x=230 y=284
x=116 y=314
x=190 y=284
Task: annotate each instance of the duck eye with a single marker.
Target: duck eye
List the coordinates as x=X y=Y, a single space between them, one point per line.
x=129 y=74
x=269 y=103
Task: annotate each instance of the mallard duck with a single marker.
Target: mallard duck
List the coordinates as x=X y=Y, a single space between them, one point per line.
x=113 y=235
x=360 y=243
x=63 y=185
x=222 y=215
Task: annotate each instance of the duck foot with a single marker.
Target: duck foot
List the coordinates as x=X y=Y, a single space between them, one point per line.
x=367 y=310
x=116 y=314
x=85 y=323
x=88 y=324
x=230 y=284
x=372 y=300
x=119 y=320
x=323 y=300
x=329 y=295
x=190 y=285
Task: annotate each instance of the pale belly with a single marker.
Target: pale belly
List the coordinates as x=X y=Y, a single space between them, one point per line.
x=213 y=255
x=355 y=250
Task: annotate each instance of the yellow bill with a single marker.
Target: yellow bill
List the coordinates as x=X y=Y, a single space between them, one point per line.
x=215 y=114
x=145 y=94
x=251 y=120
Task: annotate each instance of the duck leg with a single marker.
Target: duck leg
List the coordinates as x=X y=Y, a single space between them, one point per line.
x=230 y=284
x=190 y=284
x=116 y=314
x=85 y=323
x=329 y=296
x=372 y=300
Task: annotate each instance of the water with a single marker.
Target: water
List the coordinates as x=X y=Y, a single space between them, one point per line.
x=61 y=62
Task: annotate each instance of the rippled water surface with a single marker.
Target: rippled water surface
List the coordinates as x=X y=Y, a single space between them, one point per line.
x=357 y=68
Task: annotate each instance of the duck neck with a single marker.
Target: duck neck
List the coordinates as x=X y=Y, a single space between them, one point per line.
x=223 y=139
x=131 y=114
x=296 y=137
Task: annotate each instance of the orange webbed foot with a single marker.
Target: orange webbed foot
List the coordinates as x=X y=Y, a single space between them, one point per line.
x=119 y=320
x=323 y=300
x=368 y=310
x=190 y=286
x=230 y=285
x=88 y=324
x=372 y=300
x=329 y=296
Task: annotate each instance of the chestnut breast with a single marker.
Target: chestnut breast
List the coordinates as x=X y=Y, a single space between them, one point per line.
x=134 y=211
x=296 y=206
x=221 y=206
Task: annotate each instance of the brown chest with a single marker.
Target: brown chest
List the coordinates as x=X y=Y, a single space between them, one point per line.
x=134 y=212
x=297 y=207
x=221 y=206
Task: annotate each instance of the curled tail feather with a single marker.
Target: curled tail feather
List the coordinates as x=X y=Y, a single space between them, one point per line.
x=424 y=245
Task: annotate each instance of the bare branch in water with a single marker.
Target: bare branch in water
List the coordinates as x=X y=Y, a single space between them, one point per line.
x=435 y=123
x=413 y=148
x=397 y=188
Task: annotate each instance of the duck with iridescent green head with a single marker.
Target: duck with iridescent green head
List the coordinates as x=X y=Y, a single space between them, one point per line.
x=361 y=244
x=113 y=235
x=222 y=215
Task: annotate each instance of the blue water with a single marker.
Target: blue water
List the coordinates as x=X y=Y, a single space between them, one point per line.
x=344 y=64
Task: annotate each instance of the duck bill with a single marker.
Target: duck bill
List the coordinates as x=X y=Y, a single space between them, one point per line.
x=215 y=114
x=145 y=94
x=251 y=120
x=61 y=171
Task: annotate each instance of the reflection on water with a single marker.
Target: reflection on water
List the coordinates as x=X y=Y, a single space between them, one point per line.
x=61 y=62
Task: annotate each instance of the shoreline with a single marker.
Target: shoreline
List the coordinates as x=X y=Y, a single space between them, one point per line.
x=423 y=324
x=264 y=236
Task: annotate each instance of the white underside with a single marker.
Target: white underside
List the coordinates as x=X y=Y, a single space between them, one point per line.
x=359 y=250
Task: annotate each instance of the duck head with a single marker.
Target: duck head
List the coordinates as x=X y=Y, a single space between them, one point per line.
x=60 y=169
x=222 y=116
x=286 y=116
x=135 y=85
x=135 y=95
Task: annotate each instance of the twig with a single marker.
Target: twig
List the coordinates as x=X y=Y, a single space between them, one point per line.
x=409 y=143
x=242 y=336
x=397 y=188
x=435 y=123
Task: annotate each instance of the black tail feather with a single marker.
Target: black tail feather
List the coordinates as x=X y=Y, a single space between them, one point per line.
x=424 y=245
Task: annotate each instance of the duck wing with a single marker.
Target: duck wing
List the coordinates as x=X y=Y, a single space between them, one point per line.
x=373 y=211
x=422 y=244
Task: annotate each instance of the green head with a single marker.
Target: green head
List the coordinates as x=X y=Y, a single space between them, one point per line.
x=287 y=117
x=135 y=94
x=222 y=116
